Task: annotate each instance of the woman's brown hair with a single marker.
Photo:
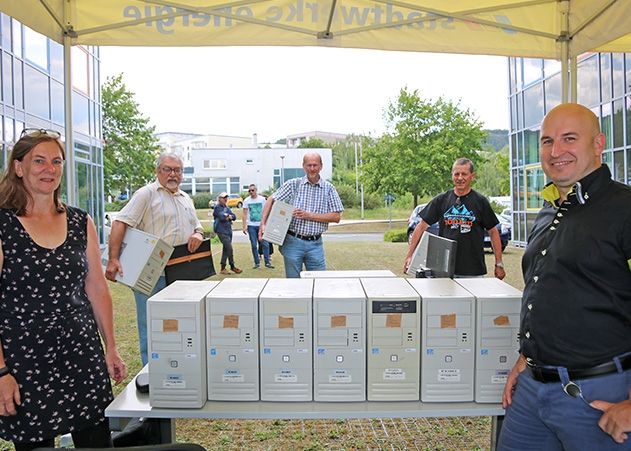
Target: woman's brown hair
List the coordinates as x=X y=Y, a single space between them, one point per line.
x=13 y=194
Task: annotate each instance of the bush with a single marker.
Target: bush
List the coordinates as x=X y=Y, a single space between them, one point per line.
x=200 y=200
x=115 y=206
x=372 y=201
x=347 y=195
x=396 y=236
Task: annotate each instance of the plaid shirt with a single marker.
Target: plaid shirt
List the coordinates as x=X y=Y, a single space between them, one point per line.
x=319 y=197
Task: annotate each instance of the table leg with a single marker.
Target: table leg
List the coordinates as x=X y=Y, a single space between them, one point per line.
x=167 y=430
x=496 y=428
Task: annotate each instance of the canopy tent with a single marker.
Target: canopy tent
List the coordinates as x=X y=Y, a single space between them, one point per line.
x=551 y=29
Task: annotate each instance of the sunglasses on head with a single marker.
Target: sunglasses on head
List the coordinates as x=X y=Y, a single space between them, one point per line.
x=35 y=132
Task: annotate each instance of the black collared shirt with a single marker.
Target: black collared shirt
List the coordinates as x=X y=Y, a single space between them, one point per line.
x=576 y=309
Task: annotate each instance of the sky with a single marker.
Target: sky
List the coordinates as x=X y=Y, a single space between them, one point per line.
x=279 y=91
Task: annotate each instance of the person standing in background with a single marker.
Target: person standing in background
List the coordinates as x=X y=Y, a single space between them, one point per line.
x=316 y=204
x=252 y=212
x=223 y=228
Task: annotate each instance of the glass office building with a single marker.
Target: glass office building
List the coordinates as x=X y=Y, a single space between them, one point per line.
x=32 y=95
x=603 y=84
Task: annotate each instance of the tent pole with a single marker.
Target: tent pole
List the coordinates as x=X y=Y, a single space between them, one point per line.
x=70 y=154
x=563 y=39
x=564 y=73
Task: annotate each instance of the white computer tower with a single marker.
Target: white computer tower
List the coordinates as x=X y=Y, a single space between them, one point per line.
x=339 y=340
x=232 y=331
x=346 y=274
x=447 y=340
x=176 y=335
x=393 y=339
x=498 y=308
x=286 y=359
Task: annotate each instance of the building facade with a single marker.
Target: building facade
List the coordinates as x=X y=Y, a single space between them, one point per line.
x=32 y=96
x=603 y=85
x=232 y=170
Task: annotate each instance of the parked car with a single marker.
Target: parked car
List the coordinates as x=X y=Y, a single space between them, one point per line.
x=234 y=200
x=504 y=227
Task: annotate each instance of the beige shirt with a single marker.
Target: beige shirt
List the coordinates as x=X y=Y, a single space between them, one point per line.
x=156 y=210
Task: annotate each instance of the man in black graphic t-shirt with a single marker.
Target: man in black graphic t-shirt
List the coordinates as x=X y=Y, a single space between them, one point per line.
x=463 y=215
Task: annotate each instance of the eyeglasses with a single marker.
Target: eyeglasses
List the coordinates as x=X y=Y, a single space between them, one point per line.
x=251 y=190
x=573 y=390
x=168 y=170
x=35 y=132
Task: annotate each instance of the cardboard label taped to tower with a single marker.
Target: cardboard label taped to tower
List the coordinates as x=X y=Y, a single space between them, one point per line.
x=143 y=258
x=278 y=222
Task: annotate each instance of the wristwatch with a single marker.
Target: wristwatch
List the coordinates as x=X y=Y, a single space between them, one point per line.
x=4 y=371
x=499 y=265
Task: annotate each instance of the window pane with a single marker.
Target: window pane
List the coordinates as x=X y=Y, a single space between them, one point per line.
x=551 y=67
x=36 y=48
x=628 y=182
x=531 y=146
x=80 y=113
x=6 y=32
x=587 y=82
x=532 y=70
x=535 y=181
x=606 y=126
x=605 y=73
x=57 y=102
x=618 y=166
x=18 y=95
x=618 y=124
x=617 y=64
x=628 y=102
x=7 y=78
x=17 y=38
x=56 y=60
x=80 y=70
x=533 y=105
x=36 y=96
x=553 y=92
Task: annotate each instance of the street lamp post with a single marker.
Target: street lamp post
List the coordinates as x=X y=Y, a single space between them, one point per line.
x=282 y=170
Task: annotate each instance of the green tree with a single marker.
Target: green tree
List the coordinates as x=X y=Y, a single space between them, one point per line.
x=493 y=176
x=131 y=149
x=312 y=143
x=422 y=141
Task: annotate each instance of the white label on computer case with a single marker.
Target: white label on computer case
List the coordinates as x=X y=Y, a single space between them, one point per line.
x=449 y=375
x=340 y=377
x=286 y=378
x=173 y=383
x=393 y=374
x=232 y=378
x=500 y=377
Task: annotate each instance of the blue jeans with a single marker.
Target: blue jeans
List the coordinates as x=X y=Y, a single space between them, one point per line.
x=543 y=417
x=297 y=252
x=253 y=233
x=141 y=317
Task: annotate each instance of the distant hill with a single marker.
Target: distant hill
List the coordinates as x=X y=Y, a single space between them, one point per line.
x=497 y=139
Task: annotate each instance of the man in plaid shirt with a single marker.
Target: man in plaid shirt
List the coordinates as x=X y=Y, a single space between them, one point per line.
x=316 y=204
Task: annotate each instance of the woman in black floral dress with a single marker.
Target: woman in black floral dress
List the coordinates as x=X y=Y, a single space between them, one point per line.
x=54 y=301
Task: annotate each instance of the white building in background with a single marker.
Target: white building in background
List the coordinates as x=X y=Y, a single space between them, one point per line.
x=233 y=169
x=327 y=137
x=184 y=143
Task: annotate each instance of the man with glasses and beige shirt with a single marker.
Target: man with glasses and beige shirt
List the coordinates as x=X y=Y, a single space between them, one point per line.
x=163 y=210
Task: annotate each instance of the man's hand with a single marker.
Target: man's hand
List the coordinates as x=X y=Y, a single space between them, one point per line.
x=500 y=273
x=616 y=421
x=511 y=382
x=301 y=214
x=245 y=231
x=113 y=267
x=406 y=264
x=194 y=241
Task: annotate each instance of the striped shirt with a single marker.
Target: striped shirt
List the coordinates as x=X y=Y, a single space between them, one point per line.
x=319 y=197
x=156 y=210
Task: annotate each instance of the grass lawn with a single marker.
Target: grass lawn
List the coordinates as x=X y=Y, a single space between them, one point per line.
x=414 y=433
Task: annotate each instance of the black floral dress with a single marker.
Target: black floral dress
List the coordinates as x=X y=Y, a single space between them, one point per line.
x=48 y=332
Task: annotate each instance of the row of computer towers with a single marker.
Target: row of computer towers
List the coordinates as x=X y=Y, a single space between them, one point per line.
x=353 y=339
